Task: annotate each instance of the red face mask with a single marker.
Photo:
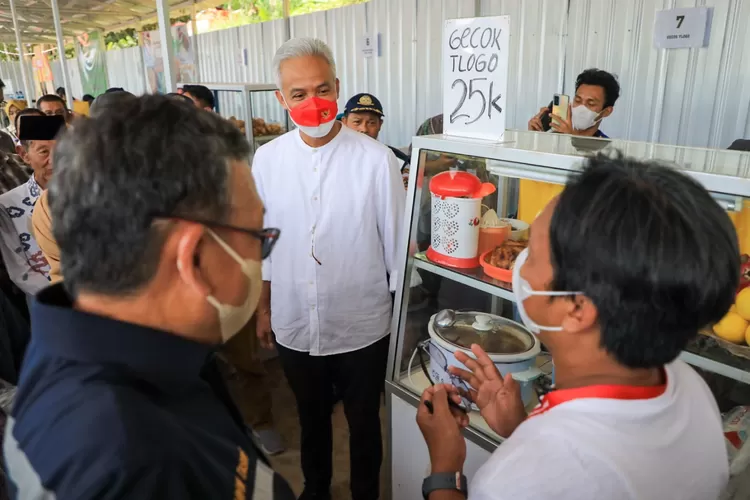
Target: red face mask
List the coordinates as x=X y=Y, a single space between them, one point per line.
x=314 y=116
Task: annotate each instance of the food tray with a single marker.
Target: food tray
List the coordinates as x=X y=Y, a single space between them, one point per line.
x=498 y=273
x=742 y=351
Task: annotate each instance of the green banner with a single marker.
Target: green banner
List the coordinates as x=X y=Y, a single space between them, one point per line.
x=92 y=63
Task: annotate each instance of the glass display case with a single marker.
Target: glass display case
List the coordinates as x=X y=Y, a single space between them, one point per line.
x=254 y=106
x=455 y=296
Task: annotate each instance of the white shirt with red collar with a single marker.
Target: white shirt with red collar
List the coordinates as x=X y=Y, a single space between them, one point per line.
x=614 y=443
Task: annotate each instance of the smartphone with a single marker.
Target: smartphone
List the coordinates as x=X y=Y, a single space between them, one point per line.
x=546 y=118
x=560 y=103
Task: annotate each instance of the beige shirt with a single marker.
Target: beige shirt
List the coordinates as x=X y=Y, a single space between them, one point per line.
x=41 y=222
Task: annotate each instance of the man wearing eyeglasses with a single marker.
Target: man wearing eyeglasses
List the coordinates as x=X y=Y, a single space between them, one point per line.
x=53 y=105
x=161 y=243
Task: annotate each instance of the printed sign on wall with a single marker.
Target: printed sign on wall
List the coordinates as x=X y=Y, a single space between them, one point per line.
x=475 y=76
x=184 y=58
x=681 y=28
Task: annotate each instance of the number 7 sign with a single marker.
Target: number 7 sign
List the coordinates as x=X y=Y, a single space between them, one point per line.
x=682 y=28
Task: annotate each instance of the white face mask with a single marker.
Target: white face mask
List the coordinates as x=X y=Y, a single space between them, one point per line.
x=583 y=118
x=321 y=130
x=522 y=291
x=233 y=318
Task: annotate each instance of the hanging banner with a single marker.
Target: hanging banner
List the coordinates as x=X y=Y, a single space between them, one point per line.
x=184 y=56
x=92 y=63
x=152 y=61
x=475 y=76
x=42 y=70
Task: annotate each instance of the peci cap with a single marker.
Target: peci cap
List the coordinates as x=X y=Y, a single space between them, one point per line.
x=364 y=103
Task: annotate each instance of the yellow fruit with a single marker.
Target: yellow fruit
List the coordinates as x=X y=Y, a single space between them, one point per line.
x=731 y=328
x=733 y=309
x=743 y=303
x=747 y=336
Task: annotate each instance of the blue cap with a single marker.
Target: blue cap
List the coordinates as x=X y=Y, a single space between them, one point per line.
x=364 y=103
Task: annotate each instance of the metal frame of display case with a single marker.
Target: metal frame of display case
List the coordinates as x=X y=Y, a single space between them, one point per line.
x=246 y=104
x=546 y=158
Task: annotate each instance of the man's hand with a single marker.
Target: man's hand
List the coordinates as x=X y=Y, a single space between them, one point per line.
x=442 y=428
x=535 y=123
x=563 y=126
x=499 y=400
x=263 y=329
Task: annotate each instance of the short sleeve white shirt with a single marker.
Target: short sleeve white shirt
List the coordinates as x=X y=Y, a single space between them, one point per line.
x=667 y=447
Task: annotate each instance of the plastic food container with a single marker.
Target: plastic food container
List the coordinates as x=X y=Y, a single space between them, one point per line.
x=492 y=237
x=456 y=209
x=519 y=229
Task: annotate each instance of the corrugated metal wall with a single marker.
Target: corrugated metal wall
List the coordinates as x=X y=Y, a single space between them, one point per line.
x=242 y=55
x=10 y=74
x=74 y=73
x=125 y=69
x=696 y=97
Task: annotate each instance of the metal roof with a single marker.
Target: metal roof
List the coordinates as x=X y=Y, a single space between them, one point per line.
x=79 y=16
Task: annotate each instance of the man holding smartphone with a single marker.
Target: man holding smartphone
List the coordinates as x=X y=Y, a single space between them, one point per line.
x=596 y=94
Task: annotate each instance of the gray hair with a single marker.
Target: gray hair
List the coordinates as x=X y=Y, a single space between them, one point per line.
x=117 y=174
x=300 y=47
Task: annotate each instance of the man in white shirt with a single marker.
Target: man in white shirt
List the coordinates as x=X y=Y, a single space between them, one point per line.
x=338 y=197
x=621 y=271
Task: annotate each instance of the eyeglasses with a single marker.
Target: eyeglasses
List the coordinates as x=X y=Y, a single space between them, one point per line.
x=268 y=236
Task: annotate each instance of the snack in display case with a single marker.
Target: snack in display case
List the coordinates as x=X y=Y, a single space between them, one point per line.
x=240 y=124
x=261 y=128
x=498 y=263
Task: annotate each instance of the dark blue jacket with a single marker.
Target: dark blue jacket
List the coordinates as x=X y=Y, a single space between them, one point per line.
x=109 y=410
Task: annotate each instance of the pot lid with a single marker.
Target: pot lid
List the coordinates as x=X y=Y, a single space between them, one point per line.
x=495 y=334
x=455 y=184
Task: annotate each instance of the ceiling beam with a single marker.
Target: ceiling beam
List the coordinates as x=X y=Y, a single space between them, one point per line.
x=28 y=40
x=143 y=12
x=70 y=28
x=95 y=12
x=174 y=11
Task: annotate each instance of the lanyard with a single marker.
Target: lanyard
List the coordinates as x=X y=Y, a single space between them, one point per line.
x=624 y=392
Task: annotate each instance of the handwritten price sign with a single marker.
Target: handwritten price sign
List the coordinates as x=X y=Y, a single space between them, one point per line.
x=475 y=76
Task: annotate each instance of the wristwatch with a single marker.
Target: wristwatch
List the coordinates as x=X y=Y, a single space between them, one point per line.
x=445 y=481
